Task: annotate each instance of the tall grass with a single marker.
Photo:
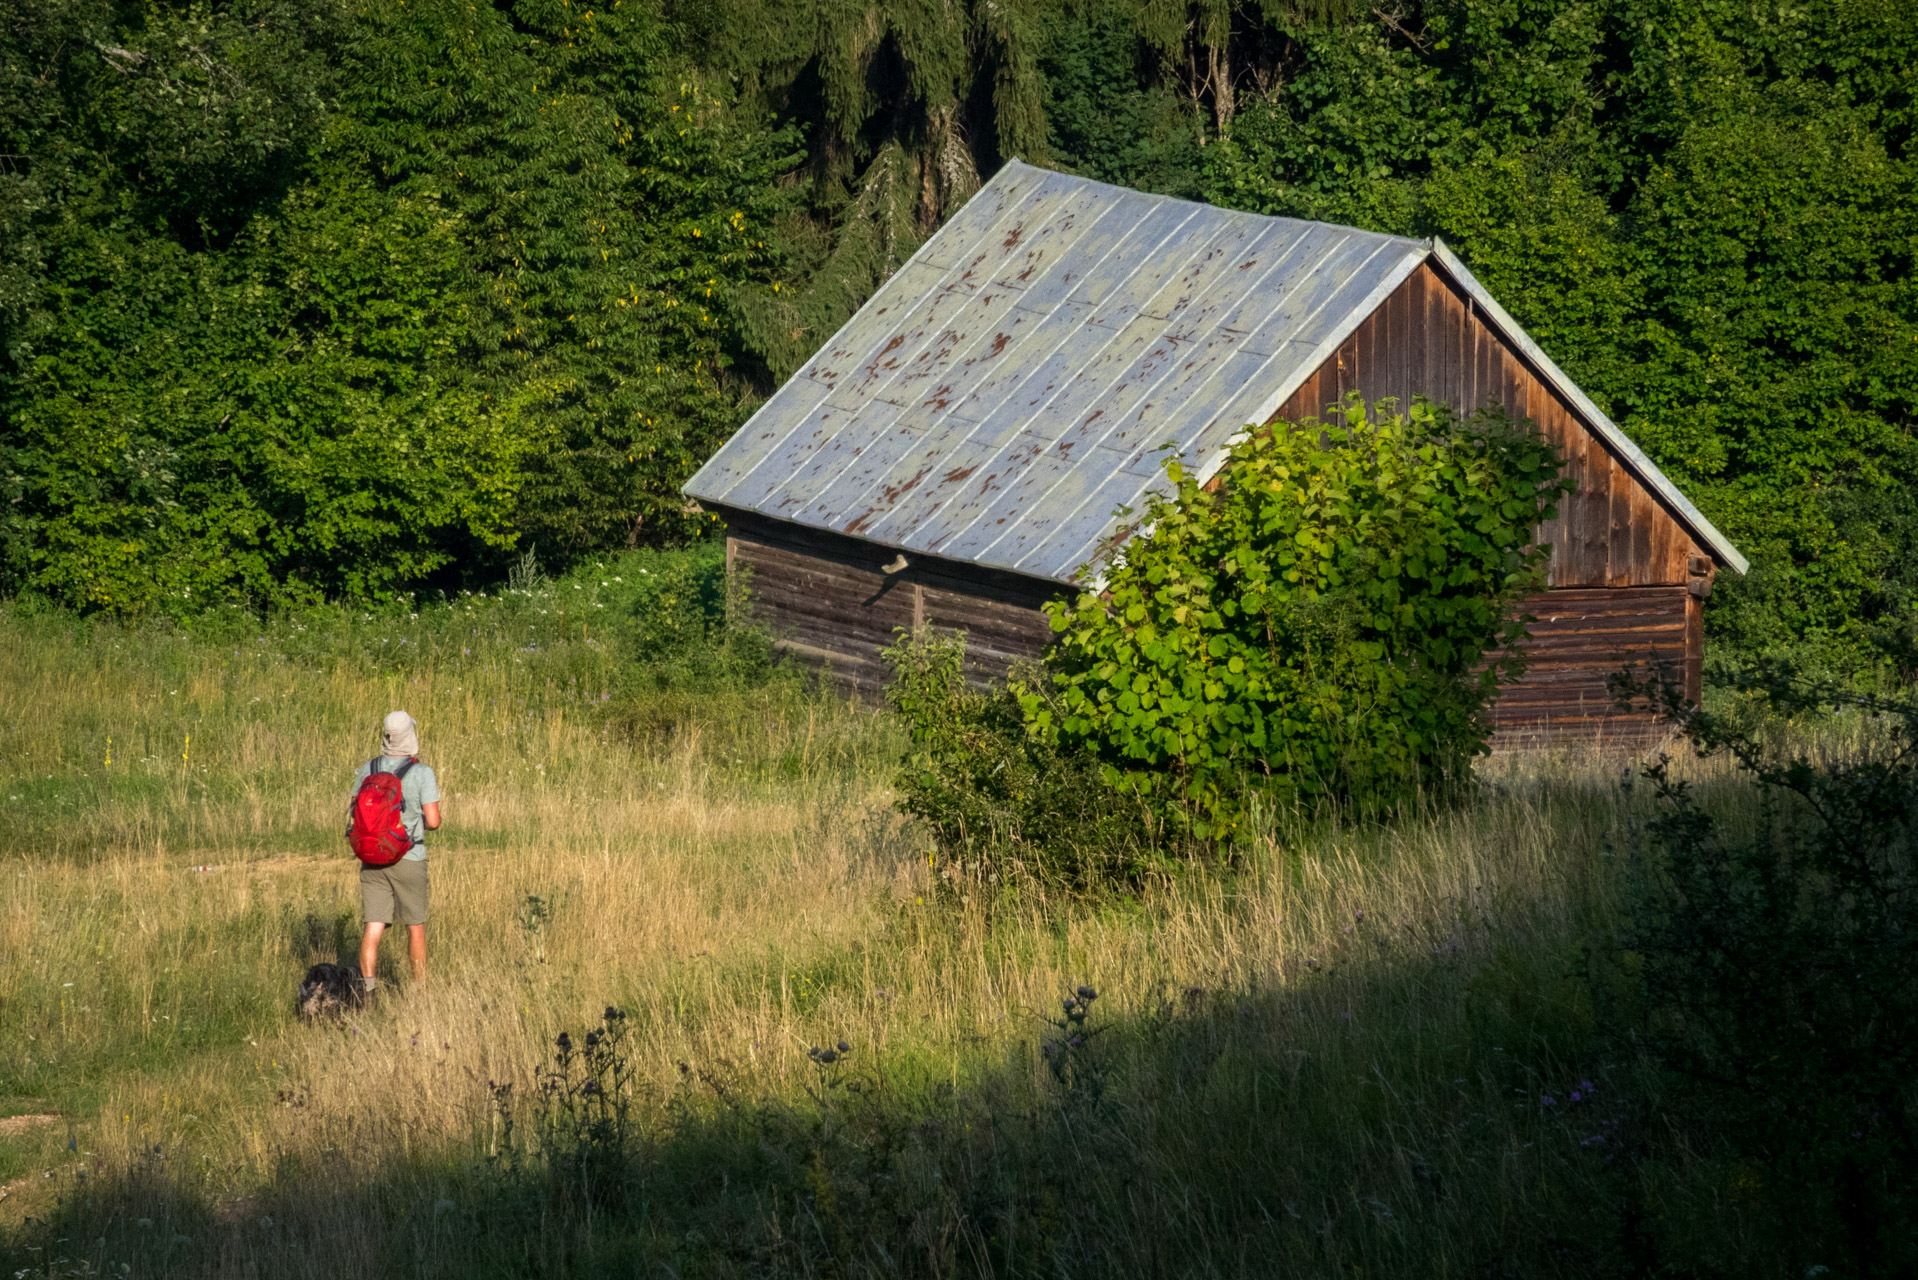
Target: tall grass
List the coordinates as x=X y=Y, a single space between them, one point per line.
x=1358 y=1054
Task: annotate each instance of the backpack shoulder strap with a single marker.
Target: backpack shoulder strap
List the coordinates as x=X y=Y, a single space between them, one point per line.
x=401 y=771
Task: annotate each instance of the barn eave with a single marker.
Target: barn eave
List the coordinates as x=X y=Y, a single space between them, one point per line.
x=1634 y=458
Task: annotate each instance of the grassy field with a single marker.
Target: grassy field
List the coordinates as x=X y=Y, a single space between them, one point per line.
x=1367 y=1051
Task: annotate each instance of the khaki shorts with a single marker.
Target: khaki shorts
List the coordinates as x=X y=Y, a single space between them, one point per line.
x=401 y=885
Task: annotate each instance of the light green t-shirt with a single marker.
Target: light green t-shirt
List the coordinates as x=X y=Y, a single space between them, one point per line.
x=418 y=789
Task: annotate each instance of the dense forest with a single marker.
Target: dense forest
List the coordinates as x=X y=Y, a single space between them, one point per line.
x=306 y=299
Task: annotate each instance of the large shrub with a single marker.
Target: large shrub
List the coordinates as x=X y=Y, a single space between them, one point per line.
x=1317 y=626
x=998 y=798
x=1767 y=974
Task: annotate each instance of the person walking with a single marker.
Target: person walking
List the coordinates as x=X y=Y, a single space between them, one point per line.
x=394 y=889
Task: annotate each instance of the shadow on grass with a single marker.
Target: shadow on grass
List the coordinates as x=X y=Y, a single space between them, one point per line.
x=333 y=938
x=1424 y=1097
x=1308 y=1126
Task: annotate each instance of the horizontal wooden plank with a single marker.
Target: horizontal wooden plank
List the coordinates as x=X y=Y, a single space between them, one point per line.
x=1580 y=637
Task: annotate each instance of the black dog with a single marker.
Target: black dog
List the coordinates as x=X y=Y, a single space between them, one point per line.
x=330 y=989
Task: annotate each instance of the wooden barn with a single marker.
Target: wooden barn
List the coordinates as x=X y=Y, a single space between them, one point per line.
x=956 y=452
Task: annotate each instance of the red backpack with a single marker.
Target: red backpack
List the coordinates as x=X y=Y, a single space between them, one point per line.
x=378 y=835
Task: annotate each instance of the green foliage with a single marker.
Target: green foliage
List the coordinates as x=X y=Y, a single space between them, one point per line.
x=490 y=293
x=1704 y=213
x=1314 y=626
x=1773 y=958
x=1110 y=120
x=242 y=244
x=999 y=800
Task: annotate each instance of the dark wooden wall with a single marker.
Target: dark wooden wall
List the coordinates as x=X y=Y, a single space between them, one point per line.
x=830 y=602
x=1580 y=637
x=1428 y=339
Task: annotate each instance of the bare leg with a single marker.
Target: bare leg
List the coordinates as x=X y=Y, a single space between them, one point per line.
x=370 y=948
x=416 y=950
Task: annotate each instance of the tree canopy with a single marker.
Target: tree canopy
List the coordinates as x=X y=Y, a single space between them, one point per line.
x=333 y=299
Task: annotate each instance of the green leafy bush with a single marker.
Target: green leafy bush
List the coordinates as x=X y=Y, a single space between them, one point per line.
x=1316 y=626
x=998 y=799
x=1771 y=964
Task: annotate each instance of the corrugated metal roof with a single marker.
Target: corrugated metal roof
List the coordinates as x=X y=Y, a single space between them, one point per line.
x=1020 y=379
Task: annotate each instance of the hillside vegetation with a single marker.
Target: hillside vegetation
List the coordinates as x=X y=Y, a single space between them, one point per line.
x=339 y=300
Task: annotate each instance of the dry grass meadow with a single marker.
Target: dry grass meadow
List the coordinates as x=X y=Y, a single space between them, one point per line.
x=1353 y=1055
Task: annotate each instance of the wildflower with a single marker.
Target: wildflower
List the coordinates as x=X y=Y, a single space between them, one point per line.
x=1547 y=1100
x=1087 y=993
x=844 y=1047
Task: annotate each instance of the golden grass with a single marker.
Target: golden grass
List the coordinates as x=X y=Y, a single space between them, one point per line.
x=741 y=888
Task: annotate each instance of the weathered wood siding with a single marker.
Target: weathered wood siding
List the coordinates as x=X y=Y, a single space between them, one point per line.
x=1428 y=339
x=829 y=601
x=1580 y=637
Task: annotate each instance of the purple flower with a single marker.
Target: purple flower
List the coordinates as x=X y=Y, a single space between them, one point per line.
x=1577 y=1096
x=1547 y=1100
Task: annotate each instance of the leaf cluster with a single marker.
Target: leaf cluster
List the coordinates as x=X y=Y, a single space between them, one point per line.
x=455 y=279
x=998 y=800
x=1318 y=624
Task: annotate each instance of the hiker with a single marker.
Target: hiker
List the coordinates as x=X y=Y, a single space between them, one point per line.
x=387 y=826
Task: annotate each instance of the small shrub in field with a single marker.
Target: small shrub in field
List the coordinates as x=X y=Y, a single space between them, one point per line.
x=1771 y=957
x=992 y=792
x=688 y=625
x=1315 y=626
x=688 y=634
